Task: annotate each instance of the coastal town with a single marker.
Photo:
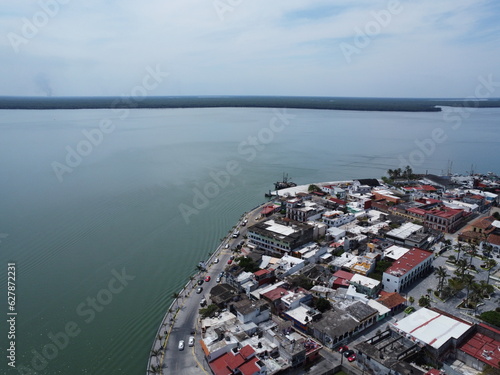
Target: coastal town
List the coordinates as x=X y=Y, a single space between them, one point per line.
x=383 y=276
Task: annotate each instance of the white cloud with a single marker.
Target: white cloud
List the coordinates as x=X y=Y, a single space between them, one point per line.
x=289 y=48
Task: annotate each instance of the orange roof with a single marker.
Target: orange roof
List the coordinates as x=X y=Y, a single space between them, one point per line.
x=391 y=300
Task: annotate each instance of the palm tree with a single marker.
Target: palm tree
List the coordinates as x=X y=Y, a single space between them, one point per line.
x=472 y=252
x=490 y=264
x=468 y=282
x=442 y=274
x=459 y=248
x=461 y=267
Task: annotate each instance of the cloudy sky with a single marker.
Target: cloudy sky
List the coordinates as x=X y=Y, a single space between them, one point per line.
x=424 y=48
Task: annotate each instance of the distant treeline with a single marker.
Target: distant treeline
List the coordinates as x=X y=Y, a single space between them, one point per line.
x=332 y=103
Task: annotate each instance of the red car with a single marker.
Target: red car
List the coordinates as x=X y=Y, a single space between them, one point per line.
x=351 y=358
x=229 y=261
x=207 y=279
x=342 y=348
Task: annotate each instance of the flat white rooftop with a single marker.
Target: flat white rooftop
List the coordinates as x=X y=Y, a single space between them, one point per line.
x=405 y=230
x=365 y=281
x=395 y=252
x=431 y=328
x=279 y=228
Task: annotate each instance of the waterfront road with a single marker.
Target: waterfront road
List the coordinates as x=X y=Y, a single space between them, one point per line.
x=184 y=316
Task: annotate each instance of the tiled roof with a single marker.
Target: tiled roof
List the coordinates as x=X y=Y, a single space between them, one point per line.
x=408 y=261
x=391 y=300
x=494 y=239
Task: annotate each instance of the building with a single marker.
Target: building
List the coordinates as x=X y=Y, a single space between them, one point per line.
x=365 y=285
x=280 y=238
x=386 y=353
x=342 y=321
x=478 y=230
x=408 y=268
x=408 y=234
x=440 y=332
x=238 y=361
x=337 y=218
x=248 y=311
x=481 y=349
x=393 y=301
x=302 y=210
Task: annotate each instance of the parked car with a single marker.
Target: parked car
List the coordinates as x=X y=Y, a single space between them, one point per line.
x=342 y=348
x=348 y=353
x=207 y=279
x=181 y=345
x=216 y=260
x=221 y=274
x=227 y=246
x=218 y=280
x=203 y=302
x=200 y=282
x=199 y=290
x=351 y=358
x=191 y=341
x=229 y=261
x=231 y=257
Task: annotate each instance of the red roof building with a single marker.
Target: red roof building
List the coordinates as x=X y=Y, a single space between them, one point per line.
x=243 y=361
x=411 y=266
x=341 y=279
x=482 y=349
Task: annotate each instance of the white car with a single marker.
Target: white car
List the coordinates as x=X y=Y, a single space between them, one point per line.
x=181 y=345
x=191 y=341
x=216 y=260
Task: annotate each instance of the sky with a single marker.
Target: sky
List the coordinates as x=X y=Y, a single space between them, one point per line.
x=358 y=48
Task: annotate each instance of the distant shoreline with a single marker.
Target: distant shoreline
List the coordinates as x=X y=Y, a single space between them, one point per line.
x=292 y=102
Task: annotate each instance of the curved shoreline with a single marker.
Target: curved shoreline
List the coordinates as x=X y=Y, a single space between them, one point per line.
x=160 y=341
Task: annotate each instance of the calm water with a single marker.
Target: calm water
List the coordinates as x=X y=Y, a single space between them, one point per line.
x=118 y=208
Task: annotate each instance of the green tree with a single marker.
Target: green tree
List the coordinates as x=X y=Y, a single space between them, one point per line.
x=442 y=274
x=492 y=317
x=322 y=304
x=247 y=264
x=313 y=188
x=411 y=300
x=490 y=264
x=424 y=301
x=208 y=311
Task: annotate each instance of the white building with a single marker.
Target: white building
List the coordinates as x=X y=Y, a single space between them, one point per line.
x=406 y=270
x=337 y=218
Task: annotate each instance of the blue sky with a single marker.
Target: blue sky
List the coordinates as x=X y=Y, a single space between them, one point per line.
x=422 y=48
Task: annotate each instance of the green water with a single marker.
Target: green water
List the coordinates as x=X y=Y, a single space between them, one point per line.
x=118 y=210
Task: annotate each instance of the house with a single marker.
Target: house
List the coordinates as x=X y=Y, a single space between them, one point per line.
x=365 y=285
x=407 y=269
x=248 y=311
x=242 y=361
x=392 y=300
x=222 y=294
x=478 y=230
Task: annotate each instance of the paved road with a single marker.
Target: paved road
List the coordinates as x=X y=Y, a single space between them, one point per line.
x=190 y=361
